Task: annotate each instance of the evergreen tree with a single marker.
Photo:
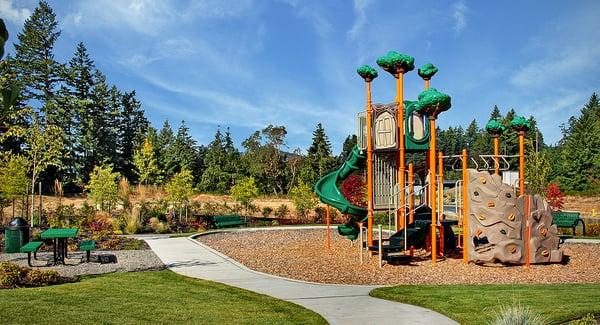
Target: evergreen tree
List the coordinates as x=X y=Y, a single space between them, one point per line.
x=131 y=131
x=166 y=157
x=581 y=150
x=145 y=163
x=214 y=178
x=495 y=113
x=37 y=70
x=349 y=144
x=319 y=160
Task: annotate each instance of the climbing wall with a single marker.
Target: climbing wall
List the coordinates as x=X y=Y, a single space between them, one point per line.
x=497 y=223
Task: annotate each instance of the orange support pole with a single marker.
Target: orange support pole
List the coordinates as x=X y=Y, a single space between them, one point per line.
x=521 y=163
x=426 y=84
x=496 y=154
x=432 y=190
x=369 y=167
x=441 y=198
x=527 y=230
x=411 y=190
x=465 y=207
x=401 y=167
x=328 y=228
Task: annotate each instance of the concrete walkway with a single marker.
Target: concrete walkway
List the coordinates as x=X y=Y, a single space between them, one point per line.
x=338 y=304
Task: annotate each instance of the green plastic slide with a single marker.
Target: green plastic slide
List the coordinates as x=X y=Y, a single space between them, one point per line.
x=329 y=193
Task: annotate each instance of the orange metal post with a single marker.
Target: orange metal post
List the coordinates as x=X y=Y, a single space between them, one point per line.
x=328 y=228
x=527 y=230
x=426 y=84
x=465 y=207
x=441 y=198
x=400 y=158
x=496 y=153
x=411 y=190
x=432 y=191
x=521 y=163
x=369 y=167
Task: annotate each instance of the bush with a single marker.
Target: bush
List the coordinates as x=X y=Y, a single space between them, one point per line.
x=37 y=278
x=266 y=211
x=282 y=211
x=321 y=215
x=517 y=314
x=10 y=275
x=555 y=197
x=14 y=276
x=303 y=199
x=592 y=229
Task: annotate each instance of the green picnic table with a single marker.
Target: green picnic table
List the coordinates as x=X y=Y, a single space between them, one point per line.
x=59 y=238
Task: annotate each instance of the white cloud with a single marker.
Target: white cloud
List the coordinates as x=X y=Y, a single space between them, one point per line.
x=459 y=12
x=9 y=12
x=360 y=9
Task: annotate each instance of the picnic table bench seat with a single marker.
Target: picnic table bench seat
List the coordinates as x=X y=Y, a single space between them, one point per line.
x=567 y=219
x=31 y=247
x=228 y=221
x=87 y=246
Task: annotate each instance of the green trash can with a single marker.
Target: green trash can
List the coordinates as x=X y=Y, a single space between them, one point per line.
x=16 y=234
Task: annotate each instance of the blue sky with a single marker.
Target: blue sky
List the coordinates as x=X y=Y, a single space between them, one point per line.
x=245 y=64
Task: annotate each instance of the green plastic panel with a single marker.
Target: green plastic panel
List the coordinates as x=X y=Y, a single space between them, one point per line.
x=412 y=142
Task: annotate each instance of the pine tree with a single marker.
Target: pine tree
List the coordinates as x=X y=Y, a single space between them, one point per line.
x=319 y=160
x=495 y=113
x=131 y=131
x=214 y=179
x=164 y=142
x=38 y=72
x=581 y=150
x=349 y=144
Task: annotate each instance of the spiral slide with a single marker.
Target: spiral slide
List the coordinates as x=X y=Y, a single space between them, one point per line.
x=328 y=192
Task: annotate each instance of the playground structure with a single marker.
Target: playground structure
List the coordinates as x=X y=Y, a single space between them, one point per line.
x=495 y=221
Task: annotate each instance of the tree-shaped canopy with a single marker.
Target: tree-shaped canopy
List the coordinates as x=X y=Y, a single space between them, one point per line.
x=495 y=128
x=520 y=124
x=432 y=102
x=367 y=72
x=427 y=70
x=396 y=63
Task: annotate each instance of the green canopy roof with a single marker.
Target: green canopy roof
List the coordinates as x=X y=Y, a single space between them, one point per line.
x=520 y=123
x=367 y=72
x=394 y=62
x=494 y=127
x=432 y=102
x=427 y=70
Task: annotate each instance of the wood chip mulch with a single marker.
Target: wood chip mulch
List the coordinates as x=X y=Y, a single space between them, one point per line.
x=302 y=255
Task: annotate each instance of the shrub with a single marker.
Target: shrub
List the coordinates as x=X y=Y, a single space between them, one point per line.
x=517 y=314
x=103 y=189
x=355 y=190
x=592 y=229
x=303 y=199
x=266 y=212
x=10 y=275
x=555 y=197
x=133 y=224
x=321 y=215
x=37 y=278
x=381 y=218
x=282 y=211
x=244 y=191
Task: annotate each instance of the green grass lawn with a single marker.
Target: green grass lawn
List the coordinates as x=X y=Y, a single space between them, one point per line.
x=147 y=298
x=476 y=304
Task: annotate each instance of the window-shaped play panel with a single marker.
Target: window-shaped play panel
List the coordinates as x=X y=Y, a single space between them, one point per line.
x=385 y=128
x=416 y=129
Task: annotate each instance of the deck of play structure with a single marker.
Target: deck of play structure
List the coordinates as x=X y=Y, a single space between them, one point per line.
x=496 y=221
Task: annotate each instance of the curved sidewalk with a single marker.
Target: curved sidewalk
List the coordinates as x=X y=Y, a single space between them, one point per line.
x=338 y=304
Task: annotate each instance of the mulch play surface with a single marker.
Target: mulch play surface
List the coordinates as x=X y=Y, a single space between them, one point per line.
x=301 y=254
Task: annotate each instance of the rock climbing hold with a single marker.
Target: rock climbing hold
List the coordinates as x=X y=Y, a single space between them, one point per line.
x=511 y=217
x=482 y=180
x=545 y=253
x=502 y=231
x=491 y=204
x=508 y=195
x=512 y=249
x=478 y=232
x=544 y=232
x=481 y=217
x=476 y=193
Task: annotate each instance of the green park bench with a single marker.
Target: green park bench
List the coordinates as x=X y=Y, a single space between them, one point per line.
x=87 y=246
x=31 y=247
x=567 y=219
x=229 y=221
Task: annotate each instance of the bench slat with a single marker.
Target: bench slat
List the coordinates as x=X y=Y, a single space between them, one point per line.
x=31 y=247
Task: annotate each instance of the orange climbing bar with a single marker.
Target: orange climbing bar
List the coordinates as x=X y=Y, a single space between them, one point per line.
x=527 y=230
x=328 y=228
x=411 y=190
x=496 y=154
x=400 y=158
x=465 y=207
x=432 y=190
x=369 y=167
